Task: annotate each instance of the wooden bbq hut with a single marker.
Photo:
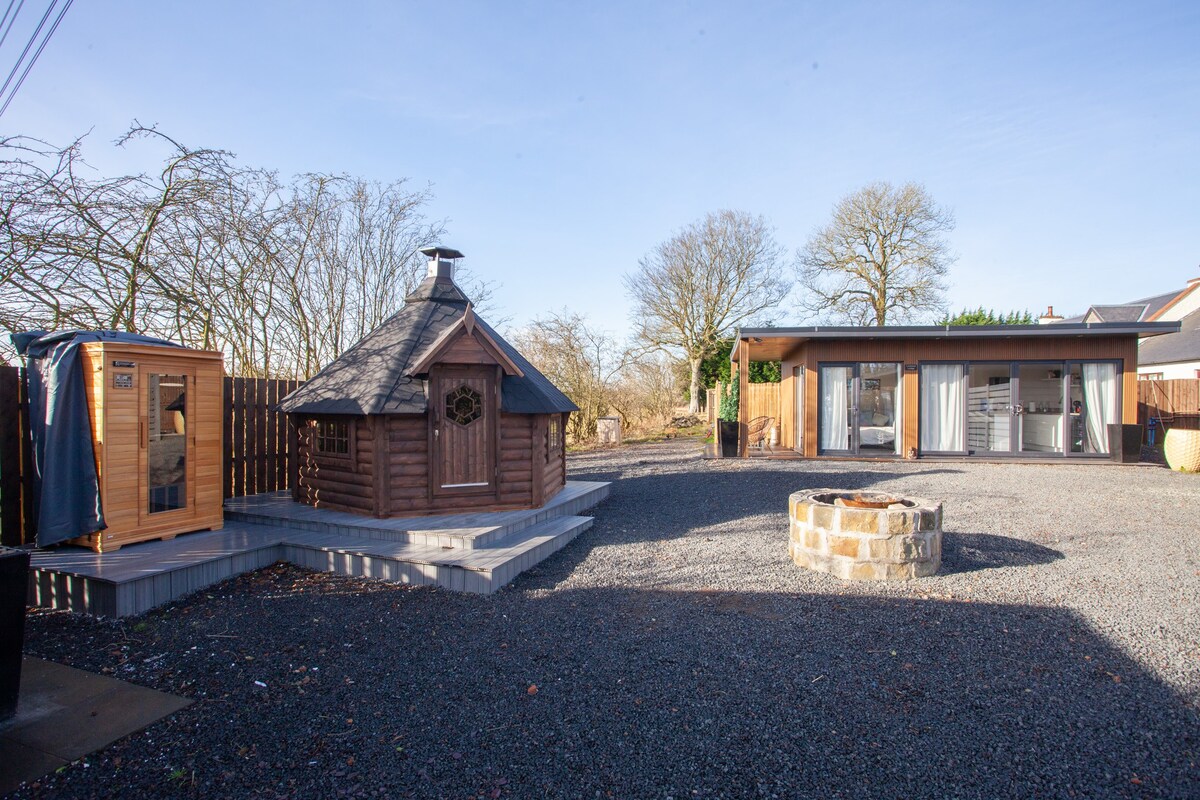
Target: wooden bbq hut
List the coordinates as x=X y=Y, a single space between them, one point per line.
x=432 y=412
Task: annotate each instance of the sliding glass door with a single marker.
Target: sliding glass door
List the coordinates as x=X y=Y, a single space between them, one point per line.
x=1018 y=408
x=860 y=409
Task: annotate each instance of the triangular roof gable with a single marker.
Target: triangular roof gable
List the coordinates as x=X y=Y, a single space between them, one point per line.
x=452 y=339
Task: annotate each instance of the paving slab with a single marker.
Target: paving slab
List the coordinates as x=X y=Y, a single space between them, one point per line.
x=64 y=714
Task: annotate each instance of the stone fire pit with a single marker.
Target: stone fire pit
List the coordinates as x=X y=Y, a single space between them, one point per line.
x=865 y=535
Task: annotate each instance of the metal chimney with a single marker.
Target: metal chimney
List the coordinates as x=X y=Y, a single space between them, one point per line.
x=441 y=262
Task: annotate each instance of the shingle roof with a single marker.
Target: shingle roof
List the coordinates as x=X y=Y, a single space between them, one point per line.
x=1181 y=346
x=372 y=376
x=1129 y=312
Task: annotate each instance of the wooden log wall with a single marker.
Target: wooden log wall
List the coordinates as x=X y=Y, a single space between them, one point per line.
x=1174 y=403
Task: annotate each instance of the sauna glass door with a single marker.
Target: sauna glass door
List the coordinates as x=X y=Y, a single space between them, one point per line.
x=165 y=436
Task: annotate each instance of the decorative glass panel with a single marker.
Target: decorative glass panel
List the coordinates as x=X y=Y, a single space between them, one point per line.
x=464 y=405
x=166 y=451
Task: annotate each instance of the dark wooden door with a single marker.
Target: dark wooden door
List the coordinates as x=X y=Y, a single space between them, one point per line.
x=463 y=414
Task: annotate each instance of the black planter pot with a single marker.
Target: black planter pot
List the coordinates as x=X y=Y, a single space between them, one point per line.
x=1125 y=443
x=727 y=432
x=14 y=577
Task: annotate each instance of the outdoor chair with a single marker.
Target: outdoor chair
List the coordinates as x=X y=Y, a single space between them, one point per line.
x=759 y=433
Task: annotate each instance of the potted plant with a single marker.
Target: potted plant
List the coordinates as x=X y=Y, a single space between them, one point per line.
x=727 y=421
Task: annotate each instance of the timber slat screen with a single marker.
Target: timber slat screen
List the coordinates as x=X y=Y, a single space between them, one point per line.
x=16 y=509
x=257 y=445
x=1175 y=403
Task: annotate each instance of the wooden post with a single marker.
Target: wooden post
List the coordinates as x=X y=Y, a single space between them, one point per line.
x=744 y=397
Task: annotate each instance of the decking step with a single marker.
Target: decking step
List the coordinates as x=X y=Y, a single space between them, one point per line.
x=468 y=530
x=479 y=570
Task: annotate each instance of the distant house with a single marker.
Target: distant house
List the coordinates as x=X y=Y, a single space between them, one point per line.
x=1174 y=355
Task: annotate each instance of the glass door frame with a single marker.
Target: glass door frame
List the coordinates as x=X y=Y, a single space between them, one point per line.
x=853 y=406
x=145 y=370
x=1014 y=445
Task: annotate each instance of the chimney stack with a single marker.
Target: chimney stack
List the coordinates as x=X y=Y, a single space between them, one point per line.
x=1049 y=316
x=441 y=262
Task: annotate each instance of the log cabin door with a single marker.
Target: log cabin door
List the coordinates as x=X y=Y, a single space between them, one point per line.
x=463 y=414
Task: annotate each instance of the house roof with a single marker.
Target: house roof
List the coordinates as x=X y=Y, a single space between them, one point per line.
x=376 y=376
x=1131 y=312
x=1181 y=346
x=771 y=343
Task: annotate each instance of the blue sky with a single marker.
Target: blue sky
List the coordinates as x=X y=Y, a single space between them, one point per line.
x=564 y=140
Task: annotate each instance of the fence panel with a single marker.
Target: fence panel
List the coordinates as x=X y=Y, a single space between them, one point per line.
x=763 y=401
x=257 y=445
x=14 y=429
x=1174 y=403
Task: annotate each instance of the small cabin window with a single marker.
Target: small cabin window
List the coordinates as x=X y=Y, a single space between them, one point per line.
x=332 y=437
x=553 y=437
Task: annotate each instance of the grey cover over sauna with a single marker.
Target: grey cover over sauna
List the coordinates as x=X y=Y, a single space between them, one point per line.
x=373 y=376
x=66 y=486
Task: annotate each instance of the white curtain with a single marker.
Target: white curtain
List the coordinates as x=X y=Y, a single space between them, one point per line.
x=898 y=414
x=835 y=408
x=942 y=408
x=1099 y=404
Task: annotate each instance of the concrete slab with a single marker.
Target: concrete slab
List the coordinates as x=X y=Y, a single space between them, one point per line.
x=65 y=713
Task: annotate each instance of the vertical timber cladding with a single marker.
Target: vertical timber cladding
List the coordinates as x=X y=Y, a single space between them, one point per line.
x=1122 y=349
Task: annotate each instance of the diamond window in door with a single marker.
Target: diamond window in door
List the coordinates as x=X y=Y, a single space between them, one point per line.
x=464 y=405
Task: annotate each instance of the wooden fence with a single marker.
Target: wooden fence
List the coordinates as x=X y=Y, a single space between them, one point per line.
x=762 y=400
x=16 y=454
x=1174 y=403
x=258 y=446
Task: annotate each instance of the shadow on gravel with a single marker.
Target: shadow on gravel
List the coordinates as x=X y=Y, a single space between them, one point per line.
x=638 y=694
x=968 y=552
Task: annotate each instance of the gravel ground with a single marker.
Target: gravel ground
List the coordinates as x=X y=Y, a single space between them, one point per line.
x=674 y=651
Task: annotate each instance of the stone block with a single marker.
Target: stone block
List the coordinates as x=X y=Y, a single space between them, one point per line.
x=847 y=546
x=866 y=571
x=901 y=522
x=821 y=516
x=857 y=520
x=929 y=520
x=814 y=539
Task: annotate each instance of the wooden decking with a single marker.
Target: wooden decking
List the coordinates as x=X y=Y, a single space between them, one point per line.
x=471 y=552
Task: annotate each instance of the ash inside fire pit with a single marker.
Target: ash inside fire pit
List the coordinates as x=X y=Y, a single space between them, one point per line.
x=865 y=535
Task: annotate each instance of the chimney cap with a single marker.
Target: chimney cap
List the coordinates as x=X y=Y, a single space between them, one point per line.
x=441 y=252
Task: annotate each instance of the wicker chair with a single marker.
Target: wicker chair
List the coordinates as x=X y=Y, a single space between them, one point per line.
x=759 y=433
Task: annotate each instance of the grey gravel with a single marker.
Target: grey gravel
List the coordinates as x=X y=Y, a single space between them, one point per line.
x=677 y=652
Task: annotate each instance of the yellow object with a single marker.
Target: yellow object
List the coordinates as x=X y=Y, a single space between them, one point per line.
x=1182 y=449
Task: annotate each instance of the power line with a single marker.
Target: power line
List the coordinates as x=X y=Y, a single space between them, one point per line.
x=10 y=21
x=37 y=53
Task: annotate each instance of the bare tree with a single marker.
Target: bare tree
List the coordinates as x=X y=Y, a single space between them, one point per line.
x=696 y=287
x=882 y=257
x=281 y=276
x=585 y=363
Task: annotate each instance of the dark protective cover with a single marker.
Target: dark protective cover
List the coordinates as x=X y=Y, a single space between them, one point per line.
x=65 y=483
x=373 y=377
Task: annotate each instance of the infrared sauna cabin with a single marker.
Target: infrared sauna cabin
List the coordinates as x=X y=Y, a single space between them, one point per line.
x=156 y=425
x=432 y=412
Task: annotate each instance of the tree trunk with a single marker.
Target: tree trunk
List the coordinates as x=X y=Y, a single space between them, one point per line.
x=694 y=402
